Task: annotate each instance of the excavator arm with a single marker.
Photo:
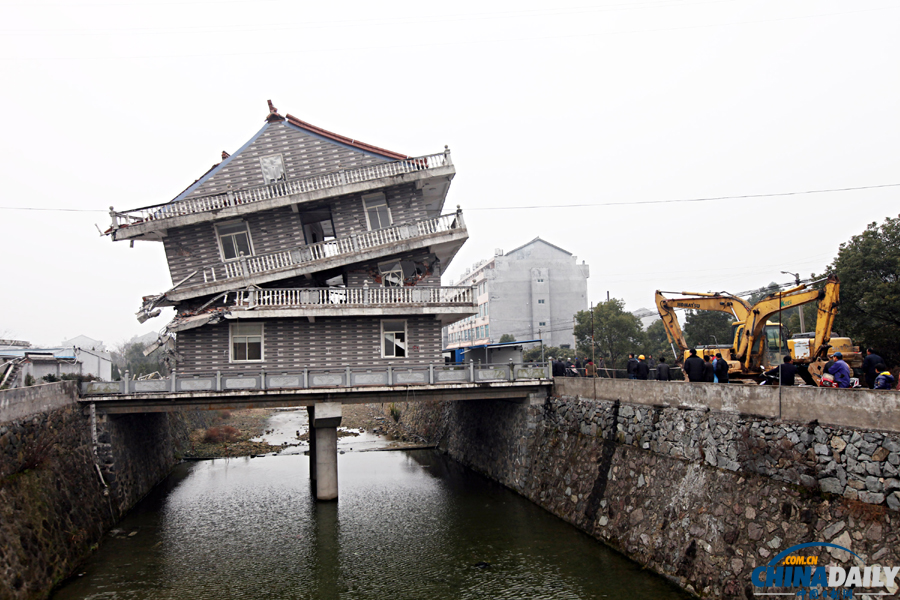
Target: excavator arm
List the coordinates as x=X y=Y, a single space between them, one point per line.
x=790 y=298
x=732 y=305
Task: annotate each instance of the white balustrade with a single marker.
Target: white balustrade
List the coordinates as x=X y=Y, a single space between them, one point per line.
x=360 y=296
x=262 y=263
x=278 y=189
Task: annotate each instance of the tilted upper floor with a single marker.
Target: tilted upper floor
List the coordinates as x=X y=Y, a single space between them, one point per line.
x=297 y=200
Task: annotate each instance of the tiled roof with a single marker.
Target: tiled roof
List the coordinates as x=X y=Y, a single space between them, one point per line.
x=343 y=139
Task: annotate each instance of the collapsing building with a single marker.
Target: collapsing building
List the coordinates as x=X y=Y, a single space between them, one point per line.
x=305 y=250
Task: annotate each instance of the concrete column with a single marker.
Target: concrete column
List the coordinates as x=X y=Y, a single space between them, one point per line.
x=312 y=443
x=326 y=417
x=326 y=463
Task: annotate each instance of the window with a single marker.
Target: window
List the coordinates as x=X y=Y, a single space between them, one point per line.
x=541 y=301
x=378 y=215
x=246 y=342
x=391 y=275
x=272 y=168
x=542 y=323
x=393 y=339
x=540 y=280
x=234 y=239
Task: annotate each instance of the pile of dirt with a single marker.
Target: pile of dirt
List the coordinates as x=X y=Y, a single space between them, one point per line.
x=249 y=423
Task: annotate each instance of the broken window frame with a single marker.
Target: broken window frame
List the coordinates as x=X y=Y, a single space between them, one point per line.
x=278 y=165
x=390 y=328
x=246 y=334
x=376 y=201
x=220 y=237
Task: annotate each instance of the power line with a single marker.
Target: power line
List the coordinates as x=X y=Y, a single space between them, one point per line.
x=53 y=209
x=682 y=200
x=671 y=201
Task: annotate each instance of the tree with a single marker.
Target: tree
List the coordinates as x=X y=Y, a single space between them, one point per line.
x=616 y=333
x=658 y=342
x=130 y=357
x=868 y=266
x=707 y=327
x=507 y=337
x=533 y=354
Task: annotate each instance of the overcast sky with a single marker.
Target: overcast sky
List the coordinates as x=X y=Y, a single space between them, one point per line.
x=547 y=105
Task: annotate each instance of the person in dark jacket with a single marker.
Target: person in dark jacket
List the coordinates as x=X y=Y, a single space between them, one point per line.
x=841 y=371
x=870 y=367
x=694 y=367
x=785 y=372
x=884 y=380
x=662 y=370
x=579 y=366
x=721 y=368
x=709 y=372
x=559 y=369
x=642 y=370
x=631 y=366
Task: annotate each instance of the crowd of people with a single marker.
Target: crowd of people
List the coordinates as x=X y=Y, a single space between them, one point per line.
x=714 y=369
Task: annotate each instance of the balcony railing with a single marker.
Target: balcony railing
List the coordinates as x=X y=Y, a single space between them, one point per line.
x=365 y=376
x=278 y=189
x=359 y=296
x=251 y=265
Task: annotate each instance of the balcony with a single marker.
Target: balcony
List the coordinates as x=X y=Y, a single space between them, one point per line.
x=153 y=220
x=442 y=234
x=449 y=304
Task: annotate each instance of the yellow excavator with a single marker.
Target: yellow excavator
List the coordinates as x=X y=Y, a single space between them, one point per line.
x=758 y=344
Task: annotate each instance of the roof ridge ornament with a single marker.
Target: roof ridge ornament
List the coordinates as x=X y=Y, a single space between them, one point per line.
x=273 y=113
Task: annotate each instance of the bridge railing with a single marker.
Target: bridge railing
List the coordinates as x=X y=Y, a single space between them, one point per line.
x=278 y=379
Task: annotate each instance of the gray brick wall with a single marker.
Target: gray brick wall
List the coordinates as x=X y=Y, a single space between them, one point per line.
x=304 y=155
x=196 y=247
x=295 y=344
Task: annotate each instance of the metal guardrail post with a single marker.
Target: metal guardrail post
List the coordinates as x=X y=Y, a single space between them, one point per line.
x=390 y=374
x=174 y=381
x=262 y=380
x=347 y=383
x=512 y=370
x=218 y=381
x=471 y=370
x=305 y=378
x=125 y=382
x=431 y=373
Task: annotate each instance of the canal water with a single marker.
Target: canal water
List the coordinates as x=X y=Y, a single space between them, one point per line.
x=409 y=525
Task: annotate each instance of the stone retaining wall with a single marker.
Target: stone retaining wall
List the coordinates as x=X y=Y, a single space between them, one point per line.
x=697 y=495
x=57 y=497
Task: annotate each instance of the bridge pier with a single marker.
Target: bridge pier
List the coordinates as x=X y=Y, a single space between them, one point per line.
x=325 y=417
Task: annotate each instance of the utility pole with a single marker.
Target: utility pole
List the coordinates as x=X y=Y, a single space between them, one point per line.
x=541 y=337
x=592 y=336
x=800 y=308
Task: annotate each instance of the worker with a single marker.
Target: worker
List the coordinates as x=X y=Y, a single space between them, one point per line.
x=884 y=380
x=721 y=368
x=589 y=369
x=642 y=370
x=785 y=372
x=870 y=367
x=840 y=370
x=709 y=372
x=662 y=370
x=631 y=366
x=694 y=367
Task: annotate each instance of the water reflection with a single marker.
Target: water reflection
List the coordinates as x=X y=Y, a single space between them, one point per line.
x=407 y=525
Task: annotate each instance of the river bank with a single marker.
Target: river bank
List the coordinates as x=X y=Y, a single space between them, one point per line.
x=259 y=431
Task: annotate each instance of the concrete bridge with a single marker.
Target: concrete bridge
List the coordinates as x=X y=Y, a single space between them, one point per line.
x=323 y=392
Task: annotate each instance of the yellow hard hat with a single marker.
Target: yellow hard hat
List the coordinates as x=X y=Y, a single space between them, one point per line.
x=641 y=357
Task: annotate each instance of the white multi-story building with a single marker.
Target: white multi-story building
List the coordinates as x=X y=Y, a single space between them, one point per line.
x=532 y=292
